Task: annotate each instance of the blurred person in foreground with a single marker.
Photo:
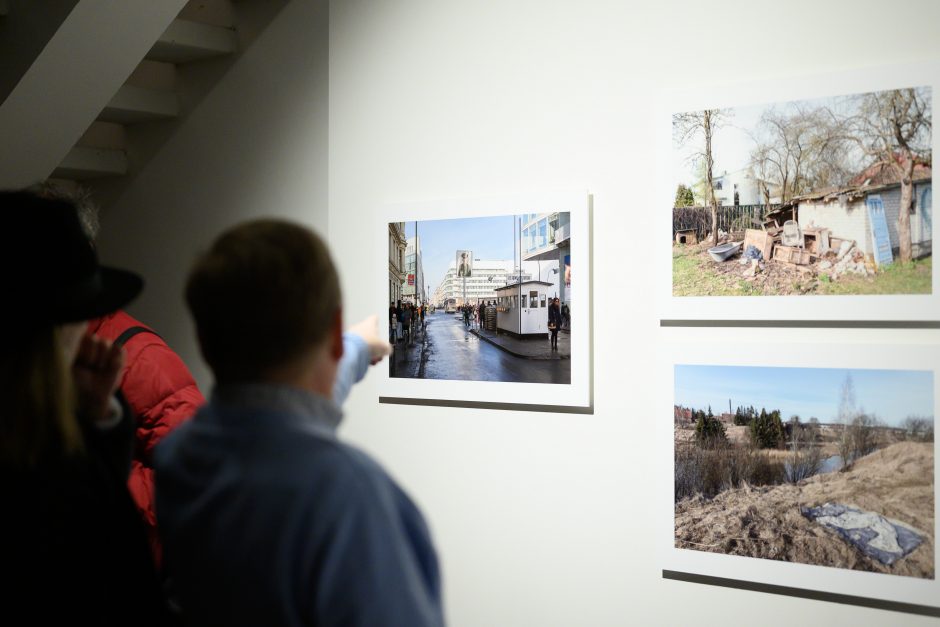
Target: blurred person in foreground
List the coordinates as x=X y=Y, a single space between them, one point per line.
x=266 y=517
x=70 y=539
x=156 y=384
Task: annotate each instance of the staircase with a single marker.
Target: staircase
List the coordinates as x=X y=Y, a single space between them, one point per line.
x=111 y=82
x=202 y=30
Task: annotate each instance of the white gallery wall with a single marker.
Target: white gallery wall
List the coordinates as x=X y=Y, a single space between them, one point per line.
x=545 y=519
x=540 y=519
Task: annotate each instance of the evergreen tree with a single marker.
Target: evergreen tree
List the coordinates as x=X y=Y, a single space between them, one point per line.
x=685 y=197
x=709 y=430
x=767 y=429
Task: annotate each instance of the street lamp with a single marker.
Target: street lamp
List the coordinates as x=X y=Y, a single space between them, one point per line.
x=551 y=271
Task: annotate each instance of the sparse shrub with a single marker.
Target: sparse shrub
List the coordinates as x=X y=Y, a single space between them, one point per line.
x=918 y=428
x=766 y=470
x=864 y=435
x=805 y=458
x=859 y=438
x=719 y=465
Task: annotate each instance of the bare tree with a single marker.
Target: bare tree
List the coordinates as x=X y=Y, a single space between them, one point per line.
x=894 y=128
x=761 y=164
x=847 y=413
x=702 y=125
x=805 y=457
x=798 y=149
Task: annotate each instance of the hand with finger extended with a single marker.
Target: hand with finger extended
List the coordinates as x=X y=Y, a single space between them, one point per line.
x=368 y=330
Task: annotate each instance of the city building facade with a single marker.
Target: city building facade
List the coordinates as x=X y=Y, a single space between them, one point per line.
x=413 y=288
x=396 y=259
x=546 y=237
x=488 y=275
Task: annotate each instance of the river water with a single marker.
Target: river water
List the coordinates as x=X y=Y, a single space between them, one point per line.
x=831 y=464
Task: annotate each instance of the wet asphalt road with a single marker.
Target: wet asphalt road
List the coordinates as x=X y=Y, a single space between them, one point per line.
x=447 y=350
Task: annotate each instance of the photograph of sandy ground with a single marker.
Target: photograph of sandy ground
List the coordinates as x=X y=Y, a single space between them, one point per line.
x=766 y=521
x=737 y=498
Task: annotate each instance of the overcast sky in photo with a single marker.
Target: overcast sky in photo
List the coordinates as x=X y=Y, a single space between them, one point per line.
x=488 y=238
x=733 y=142
x=891 y=395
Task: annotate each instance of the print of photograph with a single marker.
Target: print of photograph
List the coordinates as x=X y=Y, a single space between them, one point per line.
x=830 y=467
x=825 y=196
x=482 y=298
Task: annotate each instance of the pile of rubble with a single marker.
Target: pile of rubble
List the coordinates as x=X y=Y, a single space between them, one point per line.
x=848 y=260
x=811 y=251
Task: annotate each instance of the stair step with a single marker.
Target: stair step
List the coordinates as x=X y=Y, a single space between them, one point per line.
x=135 y=104
x=185 y=41
x=84 y=162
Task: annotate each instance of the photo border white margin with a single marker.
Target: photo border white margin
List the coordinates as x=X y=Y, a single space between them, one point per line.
x=576 y=397
x=869 y=588
x=900 y=307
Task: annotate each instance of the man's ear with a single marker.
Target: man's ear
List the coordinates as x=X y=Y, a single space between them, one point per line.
x=336 y=335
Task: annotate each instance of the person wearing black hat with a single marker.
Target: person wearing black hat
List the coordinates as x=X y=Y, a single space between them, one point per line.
x=69 y=536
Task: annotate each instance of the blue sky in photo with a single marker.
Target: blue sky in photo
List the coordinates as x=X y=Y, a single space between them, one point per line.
x=891 y=395
x=488 y=238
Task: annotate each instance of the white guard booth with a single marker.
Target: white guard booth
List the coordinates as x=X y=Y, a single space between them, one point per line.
x=522 y=309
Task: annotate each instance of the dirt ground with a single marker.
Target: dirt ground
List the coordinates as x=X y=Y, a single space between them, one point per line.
x=896 y=482
x=774 y=278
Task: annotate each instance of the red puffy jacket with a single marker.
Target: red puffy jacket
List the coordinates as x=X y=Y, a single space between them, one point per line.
x=161 y=393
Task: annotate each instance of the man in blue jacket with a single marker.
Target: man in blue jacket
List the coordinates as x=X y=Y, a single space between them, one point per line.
x=266 y=517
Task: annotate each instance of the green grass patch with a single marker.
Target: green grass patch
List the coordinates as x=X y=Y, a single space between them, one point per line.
x=896 y=278
x=695 y=274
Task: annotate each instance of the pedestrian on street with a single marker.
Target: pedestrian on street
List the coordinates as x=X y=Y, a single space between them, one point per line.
x=566 y=316
x=406 y=322
x=392 y=322
x=399 y=327
x=554 y=322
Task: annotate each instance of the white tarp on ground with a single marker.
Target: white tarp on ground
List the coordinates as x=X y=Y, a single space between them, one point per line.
x=874 y=535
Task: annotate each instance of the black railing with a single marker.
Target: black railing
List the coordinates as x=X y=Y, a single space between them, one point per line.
x=730 y=218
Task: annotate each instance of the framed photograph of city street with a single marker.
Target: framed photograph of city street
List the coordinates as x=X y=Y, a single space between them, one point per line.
x=489 y=302
x=802 y=198
x=802 y=469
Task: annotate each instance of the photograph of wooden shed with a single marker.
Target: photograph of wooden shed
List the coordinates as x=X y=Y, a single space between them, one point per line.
x=869 y=204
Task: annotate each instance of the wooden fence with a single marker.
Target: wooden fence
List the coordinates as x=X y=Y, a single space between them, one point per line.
x=729 y=218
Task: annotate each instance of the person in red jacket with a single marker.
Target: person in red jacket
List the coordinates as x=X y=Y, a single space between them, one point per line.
x=157 y=386
x=161 y=394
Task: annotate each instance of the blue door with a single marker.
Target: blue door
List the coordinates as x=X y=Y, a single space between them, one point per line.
x=881 y=241
x=926 y=215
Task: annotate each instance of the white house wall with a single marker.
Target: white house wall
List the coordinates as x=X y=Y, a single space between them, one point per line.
x=848 y=223
x=852 y=222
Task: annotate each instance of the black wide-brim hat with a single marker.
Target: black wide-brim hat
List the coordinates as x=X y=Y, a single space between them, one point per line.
x=52 y=270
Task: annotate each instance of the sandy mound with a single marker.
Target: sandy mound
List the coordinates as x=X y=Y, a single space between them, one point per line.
x=896 y=482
